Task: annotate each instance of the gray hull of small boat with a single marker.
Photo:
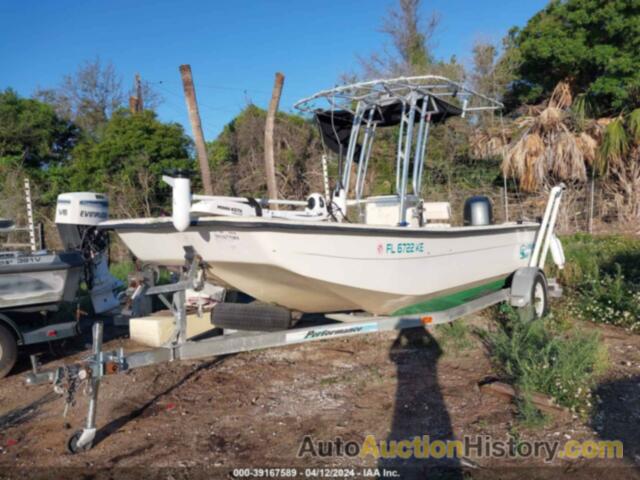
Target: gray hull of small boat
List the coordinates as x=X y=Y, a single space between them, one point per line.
x=38 y=280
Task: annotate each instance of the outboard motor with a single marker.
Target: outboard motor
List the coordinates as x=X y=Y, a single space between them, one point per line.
x=77 y=217
x=477 y=211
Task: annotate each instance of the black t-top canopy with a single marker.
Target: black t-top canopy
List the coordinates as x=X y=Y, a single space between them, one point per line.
x=335 y=126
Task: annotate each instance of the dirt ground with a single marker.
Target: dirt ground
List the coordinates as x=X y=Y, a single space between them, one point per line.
x=253 y=410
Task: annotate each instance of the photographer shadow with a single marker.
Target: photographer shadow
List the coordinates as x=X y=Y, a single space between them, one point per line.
x=420 y=409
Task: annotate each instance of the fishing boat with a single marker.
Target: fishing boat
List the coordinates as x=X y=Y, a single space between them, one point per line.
x=36 y=280
x=341 y=250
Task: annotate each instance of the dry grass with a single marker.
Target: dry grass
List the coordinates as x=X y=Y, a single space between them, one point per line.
x=549 y=150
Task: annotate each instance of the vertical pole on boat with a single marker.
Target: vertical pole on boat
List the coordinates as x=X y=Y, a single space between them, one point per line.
x=505 y=199
x=269 y=155
x=399 y=151
x=417 y=160
x=364 y=150
x=30 y=224
x=196 y=126
x=353 y=141
x=325 y=177
x=406 y=158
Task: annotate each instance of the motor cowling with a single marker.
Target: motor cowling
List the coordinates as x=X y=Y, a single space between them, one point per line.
x=477 y=211
x=78 y=212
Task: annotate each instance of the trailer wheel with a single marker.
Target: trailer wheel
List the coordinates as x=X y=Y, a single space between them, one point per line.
x=8 y=351
x=72 y=444
x=539 y=304
x=540 y=296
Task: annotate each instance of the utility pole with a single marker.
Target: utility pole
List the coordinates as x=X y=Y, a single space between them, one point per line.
x=135 y=103
x=269 y=156
x=140 y=103
x=196 y=126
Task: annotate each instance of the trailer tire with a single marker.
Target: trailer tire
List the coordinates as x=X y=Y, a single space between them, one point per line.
x=539 y=305
x=8 y=351
x=540 y=296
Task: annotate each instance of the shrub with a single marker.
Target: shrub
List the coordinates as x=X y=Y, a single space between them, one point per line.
x=602 y=278
x=535 y=357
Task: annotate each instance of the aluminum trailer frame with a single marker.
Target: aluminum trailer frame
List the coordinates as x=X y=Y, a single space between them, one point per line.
x=101 y=363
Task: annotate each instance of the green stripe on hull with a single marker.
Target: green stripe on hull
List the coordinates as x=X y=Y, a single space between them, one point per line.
x=445 y=302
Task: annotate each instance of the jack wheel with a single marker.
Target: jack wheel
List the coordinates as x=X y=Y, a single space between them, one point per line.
x=72 y=444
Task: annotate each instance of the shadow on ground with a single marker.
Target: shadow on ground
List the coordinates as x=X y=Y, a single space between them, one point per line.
x=617 y=416
x=122 y=420
x=419 y=406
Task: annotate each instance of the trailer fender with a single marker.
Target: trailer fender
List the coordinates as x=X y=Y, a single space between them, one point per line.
x=522 y=286
x=13 y=327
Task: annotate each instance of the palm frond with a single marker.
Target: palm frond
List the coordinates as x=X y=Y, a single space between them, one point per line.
x=561 y=96
x=614 y=146
x=633 y=123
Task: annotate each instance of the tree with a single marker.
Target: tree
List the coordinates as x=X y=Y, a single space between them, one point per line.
x=128 y=160
x=89 y=96
x=32 y=134
x=237 y=156
x=484 y=63
x=592 y=44
x=411 y=38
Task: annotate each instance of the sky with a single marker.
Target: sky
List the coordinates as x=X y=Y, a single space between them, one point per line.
x=234 y=47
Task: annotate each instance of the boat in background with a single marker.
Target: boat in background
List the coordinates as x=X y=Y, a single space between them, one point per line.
x=34 y=281
x=38 y=281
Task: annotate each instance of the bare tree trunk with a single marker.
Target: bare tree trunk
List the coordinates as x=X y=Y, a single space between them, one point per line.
x=196 y=126
x=269 y=156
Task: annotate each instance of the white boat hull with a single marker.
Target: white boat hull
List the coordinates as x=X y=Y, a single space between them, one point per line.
x=328 y=267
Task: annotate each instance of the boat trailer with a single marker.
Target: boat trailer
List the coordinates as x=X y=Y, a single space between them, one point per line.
x=528 y=288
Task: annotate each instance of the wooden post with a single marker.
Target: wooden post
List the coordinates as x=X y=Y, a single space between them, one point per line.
x=196 y=126
x=269 y=156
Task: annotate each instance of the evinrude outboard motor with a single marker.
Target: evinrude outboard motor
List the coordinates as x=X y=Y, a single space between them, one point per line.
x=77 y=217
x=477 y=211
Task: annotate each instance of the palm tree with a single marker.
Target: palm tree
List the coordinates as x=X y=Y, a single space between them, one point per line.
x=548 y=147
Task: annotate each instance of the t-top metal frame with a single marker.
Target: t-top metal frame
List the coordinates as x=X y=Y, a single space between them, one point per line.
x=416 y=94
